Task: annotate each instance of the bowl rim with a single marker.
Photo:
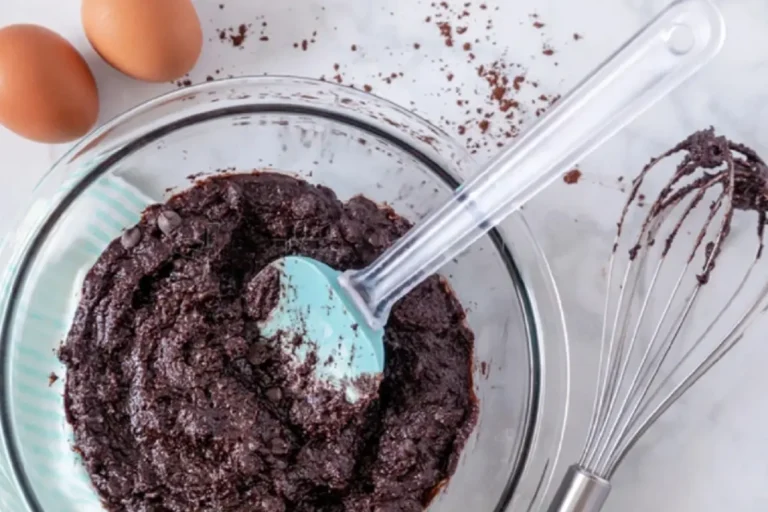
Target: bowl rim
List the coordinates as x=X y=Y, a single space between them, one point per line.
x=21 y=257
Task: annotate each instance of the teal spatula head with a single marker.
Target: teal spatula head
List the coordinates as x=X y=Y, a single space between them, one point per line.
x=314 y=319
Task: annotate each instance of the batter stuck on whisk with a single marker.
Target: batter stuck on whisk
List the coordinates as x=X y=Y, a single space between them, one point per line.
x=660 y=331
x=713 y=162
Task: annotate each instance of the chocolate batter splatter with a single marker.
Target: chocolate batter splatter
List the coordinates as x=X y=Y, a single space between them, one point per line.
x=572 y=177
x=177 y=403
x=710 y=162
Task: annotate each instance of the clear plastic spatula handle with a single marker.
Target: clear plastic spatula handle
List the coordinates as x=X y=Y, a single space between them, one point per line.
x=653 y=62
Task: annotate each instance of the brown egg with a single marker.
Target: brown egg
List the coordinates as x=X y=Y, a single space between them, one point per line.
x=152 y=40
x=47 y=91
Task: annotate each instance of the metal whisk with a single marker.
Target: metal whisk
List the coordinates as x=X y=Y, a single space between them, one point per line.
x=666 y=321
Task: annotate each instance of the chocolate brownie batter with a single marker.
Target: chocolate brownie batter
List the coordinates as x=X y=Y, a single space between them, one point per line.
x=177 y=403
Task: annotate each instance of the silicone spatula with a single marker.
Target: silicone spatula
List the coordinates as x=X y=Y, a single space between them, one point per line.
x=341 y=316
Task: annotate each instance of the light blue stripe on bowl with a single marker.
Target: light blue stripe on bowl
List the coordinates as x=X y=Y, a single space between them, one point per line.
x=54 y=470
x=109 y=221
x=128 y=215
x=99 y=234
x=137 y=200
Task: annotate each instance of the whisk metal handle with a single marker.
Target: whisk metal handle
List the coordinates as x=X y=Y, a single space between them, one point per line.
x=580 y=491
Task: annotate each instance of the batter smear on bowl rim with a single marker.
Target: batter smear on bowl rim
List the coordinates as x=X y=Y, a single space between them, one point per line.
x=178 y=404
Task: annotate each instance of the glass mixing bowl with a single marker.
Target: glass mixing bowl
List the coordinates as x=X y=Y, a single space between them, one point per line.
x=352 y=142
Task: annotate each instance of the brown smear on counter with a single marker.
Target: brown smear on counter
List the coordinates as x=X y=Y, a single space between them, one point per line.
x=572 y=177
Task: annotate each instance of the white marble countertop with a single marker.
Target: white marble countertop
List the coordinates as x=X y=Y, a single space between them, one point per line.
x=709 y=453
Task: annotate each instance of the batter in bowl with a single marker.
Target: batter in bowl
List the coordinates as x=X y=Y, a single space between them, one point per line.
x=178 y=404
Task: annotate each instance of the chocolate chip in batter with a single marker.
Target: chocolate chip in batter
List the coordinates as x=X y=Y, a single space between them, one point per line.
x=168 y=220
x=274 y=394
x=130 y=238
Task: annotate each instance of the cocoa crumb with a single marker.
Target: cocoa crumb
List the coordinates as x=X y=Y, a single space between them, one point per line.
x=577 y=36
x=461 y=30
x=239 y=38
x=548 y=51
x=209 y=78
x=505 y=105
x=354 y=47
x=304 y=45
x=447 y=32
x=484 y=125
x=467 y=47
x=416 y=46
x=235 y=36
x=572 y=177
x=538 y=24
x=52 y=378
x=367 y=88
